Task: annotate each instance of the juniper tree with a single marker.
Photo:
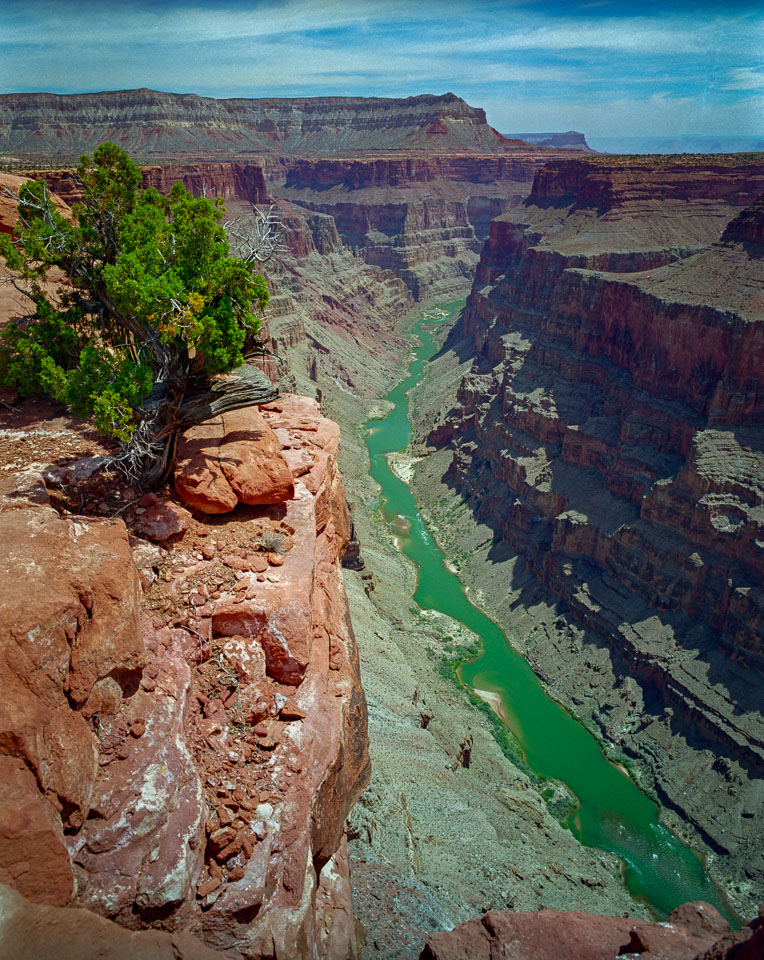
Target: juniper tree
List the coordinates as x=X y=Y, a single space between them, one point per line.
x=150 y=313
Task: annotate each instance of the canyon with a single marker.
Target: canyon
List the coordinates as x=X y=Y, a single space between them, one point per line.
x=589 y=444
x=608 y=434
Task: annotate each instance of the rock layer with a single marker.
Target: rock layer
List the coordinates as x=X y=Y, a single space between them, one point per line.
x=150 y=123
x=424 y=218
x=231 y=181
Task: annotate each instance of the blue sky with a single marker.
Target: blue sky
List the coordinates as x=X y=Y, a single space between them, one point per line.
x=605 y=67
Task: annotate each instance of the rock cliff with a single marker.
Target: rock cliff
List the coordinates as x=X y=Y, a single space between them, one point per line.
x=610 y=432
x=151 y=123
x=183 y=725
x=423 y=218
x=231 y=181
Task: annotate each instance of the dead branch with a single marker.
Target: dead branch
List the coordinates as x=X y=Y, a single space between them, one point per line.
x=258 y=238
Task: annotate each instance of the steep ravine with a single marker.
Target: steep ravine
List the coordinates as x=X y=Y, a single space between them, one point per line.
x=610 y=812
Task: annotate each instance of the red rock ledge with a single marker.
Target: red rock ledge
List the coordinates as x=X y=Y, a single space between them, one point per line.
x=694 y=931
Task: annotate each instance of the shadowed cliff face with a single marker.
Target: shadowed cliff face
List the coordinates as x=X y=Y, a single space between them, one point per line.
x=423 y=218
x=612 y=421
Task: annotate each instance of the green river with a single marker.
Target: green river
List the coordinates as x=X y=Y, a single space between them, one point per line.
x=612 y=813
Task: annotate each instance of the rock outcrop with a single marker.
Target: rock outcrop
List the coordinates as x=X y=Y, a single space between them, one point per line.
x=231 y=181
x=30 y=931
x=181 y=752
x=234 y=458
x=610 y=432
x=71 y=655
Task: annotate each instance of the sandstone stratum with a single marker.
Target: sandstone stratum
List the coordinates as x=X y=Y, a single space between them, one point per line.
x=184 y=727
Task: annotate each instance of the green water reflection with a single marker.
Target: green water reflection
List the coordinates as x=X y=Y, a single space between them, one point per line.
x=613 y=814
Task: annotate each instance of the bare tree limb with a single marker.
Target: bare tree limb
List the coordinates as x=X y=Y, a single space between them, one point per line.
x=256 y=239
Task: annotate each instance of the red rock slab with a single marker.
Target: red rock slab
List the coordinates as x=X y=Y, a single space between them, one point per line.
x=279 y=616
x=33 y=858
x=251 y=459
x=69 y=616
x=162 y=521
x=551 y=934
x=334 y=909
x=299 y=901
x=141 y=849
x=30 y=932
x=199 y=480
x=230 y=459
x=744 y=944
x=245 y=658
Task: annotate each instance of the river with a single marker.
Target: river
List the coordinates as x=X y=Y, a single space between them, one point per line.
x=612 y=813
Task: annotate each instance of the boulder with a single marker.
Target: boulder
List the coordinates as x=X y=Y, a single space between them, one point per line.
x=199 y=479
x=251 y=459
x=69 y=622
x=162 y=520
x=230 y=459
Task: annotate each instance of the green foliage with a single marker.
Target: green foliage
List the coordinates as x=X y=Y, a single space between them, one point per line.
x=150 y=292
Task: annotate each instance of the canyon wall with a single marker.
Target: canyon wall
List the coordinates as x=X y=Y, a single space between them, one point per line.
x=149 y=123
x=424 y=218
x=610 y=432
x=413 y=187
x=231 y=181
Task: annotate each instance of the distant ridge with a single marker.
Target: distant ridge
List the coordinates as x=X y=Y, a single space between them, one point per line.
x=151 y=124
x=571 y=139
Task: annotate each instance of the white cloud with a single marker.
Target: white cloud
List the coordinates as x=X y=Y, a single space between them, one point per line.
x=44 y=21
x=744 y=78
x=530 y=69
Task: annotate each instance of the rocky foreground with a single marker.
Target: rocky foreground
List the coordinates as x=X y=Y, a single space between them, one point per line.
x=694 y=931
x=183 y=724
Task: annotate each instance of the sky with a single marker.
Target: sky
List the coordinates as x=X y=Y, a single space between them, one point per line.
x=604 y=67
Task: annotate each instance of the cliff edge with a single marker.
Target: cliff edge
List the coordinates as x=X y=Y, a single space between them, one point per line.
x=183 y=724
